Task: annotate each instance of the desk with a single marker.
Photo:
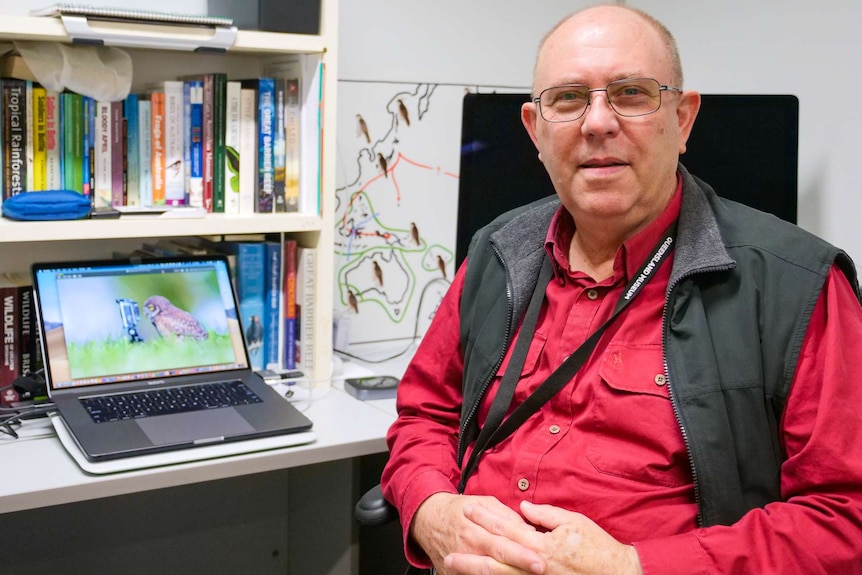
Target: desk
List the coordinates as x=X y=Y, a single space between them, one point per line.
x=228 y=515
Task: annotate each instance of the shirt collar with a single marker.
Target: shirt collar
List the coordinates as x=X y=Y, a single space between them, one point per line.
x=631 y=254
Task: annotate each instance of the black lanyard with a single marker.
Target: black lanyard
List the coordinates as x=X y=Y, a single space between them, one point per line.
x=496 y=429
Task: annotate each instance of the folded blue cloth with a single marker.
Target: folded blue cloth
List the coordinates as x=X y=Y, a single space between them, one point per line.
x=47 y=205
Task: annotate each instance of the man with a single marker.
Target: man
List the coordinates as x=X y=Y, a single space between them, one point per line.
x=712 y=425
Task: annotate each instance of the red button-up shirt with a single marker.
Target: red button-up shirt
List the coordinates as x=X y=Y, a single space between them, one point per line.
x=609 y=446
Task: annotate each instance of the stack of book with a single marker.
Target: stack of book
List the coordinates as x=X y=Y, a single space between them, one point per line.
x=229 y=146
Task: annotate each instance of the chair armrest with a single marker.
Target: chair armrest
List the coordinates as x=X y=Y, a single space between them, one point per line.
x=373 y=509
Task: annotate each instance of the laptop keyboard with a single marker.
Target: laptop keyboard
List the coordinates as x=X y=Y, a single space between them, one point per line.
x=166 y=401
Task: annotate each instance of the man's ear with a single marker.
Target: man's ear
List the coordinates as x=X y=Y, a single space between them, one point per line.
x=529 y=117
x=686 y=110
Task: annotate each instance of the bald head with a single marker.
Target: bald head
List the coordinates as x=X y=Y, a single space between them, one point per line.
x=612 y=15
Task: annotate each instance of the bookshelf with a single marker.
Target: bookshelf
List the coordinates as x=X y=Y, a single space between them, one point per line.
x=22 y=243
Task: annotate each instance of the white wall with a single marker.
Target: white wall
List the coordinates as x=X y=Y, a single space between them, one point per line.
x=800 y=47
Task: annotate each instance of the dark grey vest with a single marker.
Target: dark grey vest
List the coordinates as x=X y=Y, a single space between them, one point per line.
x=742 y=290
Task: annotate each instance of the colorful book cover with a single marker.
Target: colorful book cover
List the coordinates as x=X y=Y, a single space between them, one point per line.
x=88 y=160
x=196 y=147
x=118 y=190
x=289 y=304
x=232 y=146
x=133 y=154
x=306 y=274
x=175 y=178
x=219 y=113
x=103 y=173
x=249 y=267
x=266 y=135
x=278 y=147
x=272 y=343
x=145 y=161
x=40 y=145
x=53 y=173
x=292 y=114
x=29 y=137
x=247 y=149
x=9 y=367
x=157 y=146
x=73 y=142
x=14 y=132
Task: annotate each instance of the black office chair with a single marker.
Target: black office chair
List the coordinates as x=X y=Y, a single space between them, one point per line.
x=373 y=509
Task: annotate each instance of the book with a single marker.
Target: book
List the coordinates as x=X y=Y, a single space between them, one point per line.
x=40 y=145
x=247 y=261
x=187 y=141
x=219 y=113
x=53 y=147
x=157 y=146
x=231 y=146
x=29 y=137
x=272 y=341
x=247 y=149
x=264 y=185
x=133 y=154
x=306 y=274
x=292 y=151
x=278 y=147
x=103 y=175
x=29 y=356
x=175 y=178
x=118 y=190
x=16 y=306
x=289 y=304
x=196 y=151
x=88 y=146
x=145 y=164
x=14 y=134
x=73 y=142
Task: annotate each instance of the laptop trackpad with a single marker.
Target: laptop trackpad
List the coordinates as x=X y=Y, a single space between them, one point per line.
x=195 y=425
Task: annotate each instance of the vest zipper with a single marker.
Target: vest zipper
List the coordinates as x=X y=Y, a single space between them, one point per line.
x=673 y=399
x=464 y=424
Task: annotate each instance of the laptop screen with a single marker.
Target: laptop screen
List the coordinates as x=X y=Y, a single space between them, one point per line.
x=116 y=321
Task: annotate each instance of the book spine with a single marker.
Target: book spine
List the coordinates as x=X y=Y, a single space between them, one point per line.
x=27 y=330
x=306 y=272
x=103 y=174
x=53 y=175
x=76 y=141
x=187 y=142
x=88 y=161
x=40 y=146
x=292 y=114
x=67 y=103
x=9 y=366
x=145 y=152
x=278 y=148
x=133 y=143
x=272 y=305
x=29 y=138
x=196 y=180
x=89 y=147
x=15 y=164
x=175 y=178
x=118 y=191
x=157 y=146
x=209 y=141
x=219 y=115
x=247 y=150
x=266 y=134
x=232 y=146
x=289 y=304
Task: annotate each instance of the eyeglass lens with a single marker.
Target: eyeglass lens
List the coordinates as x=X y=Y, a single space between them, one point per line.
x=630 y=97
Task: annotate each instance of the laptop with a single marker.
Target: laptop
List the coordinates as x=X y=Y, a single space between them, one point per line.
x=147 y=356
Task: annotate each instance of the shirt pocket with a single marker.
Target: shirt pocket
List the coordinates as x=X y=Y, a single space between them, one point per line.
x=637 y=436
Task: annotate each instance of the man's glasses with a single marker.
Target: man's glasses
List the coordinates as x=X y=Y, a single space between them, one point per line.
x=629 y=97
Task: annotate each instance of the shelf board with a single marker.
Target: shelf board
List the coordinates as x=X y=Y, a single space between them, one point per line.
x=152 y=227
x=50 y=29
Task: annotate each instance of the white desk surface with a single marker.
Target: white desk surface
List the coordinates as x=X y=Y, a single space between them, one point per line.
x=40 y=473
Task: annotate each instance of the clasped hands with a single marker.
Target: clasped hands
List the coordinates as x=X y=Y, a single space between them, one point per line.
x=479 y=535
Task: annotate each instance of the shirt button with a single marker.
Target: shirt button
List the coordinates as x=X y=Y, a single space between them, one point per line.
x=592 y=294
x=660 y=379
x=554 y=429
x=523 y=484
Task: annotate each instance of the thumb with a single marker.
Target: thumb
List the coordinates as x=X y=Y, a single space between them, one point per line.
x=548 y=516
